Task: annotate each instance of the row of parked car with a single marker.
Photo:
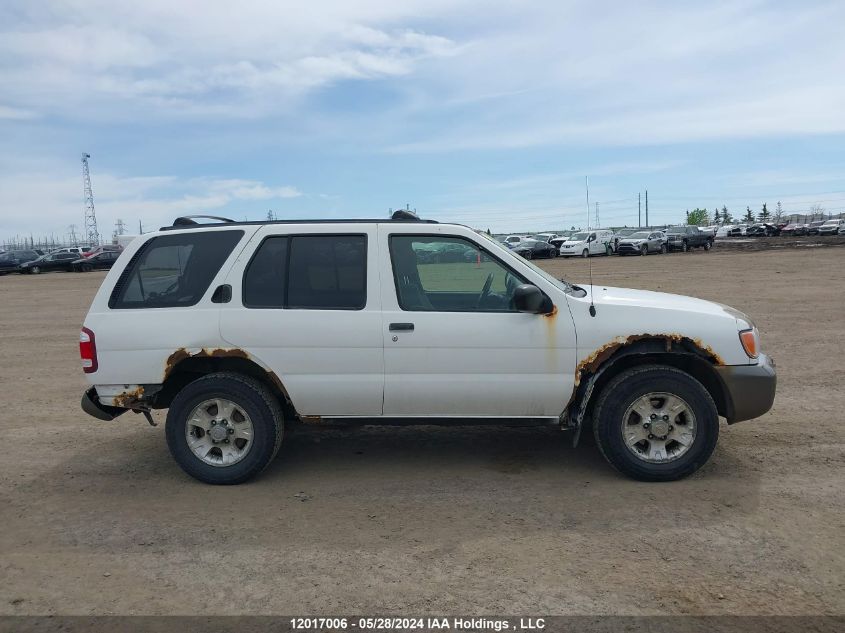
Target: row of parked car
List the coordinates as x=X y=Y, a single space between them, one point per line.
x=71 y=259
x=635 y=241
x=768 y=229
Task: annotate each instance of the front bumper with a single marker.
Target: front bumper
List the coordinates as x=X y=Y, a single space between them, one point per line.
x=750 y=389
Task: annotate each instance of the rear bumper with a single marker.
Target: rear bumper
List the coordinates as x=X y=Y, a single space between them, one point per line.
x=750 y=389
x=92 y=406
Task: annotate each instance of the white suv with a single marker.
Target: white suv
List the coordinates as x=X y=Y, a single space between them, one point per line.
x=241 y=328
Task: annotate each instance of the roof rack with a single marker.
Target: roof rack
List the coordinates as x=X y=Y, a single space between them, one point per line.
x=188 y=220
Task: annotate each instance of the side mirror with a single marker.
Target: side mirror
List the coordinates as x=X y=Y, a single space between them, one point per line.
x=529 y=298
x=591 y=238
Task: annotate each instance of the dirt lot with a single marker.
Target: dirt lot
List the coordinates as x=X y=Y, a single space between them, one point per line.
x=97 y=518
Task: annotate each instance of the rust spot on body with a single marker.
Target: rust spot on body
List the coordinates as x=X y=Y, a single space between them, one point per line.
x=595 y=360
x=551 y=315
x=129 y=398
x=182 y=353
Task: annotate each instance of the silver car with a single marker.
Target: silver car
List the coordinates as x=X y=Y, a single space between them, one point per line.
x=642 y=243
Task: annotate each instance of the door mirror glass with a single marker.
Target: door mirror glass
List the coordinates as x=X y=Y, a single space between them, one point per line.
x=592 y=238
x=529 y=298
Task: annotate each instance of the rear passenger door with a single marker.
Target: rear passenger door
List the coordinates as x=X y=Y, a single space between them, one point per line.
x=305 y=302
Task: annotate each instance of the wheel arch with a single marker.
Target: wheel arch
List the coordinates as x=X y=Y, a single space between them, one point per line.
x=184 y=367
x=682 y=353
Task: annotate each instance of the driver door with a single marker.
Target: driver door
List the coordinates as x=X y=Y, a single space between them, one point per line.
x=453 y=344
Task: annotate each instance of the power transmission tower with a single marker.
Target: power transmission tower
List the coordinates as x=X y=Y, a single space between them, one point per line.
x=119 y=227
x=92 y=235
x=72 y=229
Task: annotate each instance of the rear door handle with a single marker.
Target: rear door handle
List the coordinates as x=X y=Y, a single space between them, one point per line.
x=401 y=327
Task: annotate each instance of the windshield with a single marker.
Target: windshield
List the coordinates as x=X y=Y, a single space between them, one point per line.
x=578 y=237
x=501 y=248
x=832 y=222
x=640 y=235
x=528 y=243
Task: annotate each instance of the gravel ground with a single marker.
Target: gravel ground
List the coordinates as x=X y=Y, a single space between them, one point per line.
x=97 y=518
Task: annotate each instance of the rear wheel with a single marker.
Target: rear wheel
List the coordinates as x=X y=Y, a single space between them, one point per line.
x=224 y=428
x=86 y=268
x=656 y=423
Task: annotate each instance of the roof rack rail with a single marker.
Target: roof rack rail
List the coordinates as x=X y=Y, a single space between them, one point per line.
x=188 y=220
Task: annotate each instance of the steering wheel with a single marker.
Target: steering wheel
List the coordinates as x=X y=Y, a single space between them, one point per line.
x=485 y=291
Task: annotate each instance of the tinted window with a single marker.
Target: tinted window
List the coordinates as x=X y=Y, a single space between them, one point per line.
x=173 y=270
x=319 y=272
x=449 y=274
x=327 y=271
x=266 y=275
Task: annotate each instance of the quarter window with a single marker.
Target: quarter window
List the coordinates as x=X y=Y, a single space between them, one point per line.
x=449 y=274
x=173 y=270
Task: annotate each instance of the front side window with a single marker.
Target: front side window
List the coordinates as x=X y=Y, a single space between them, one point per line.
x=173 y=270
x=312 y=272
x=449 y=274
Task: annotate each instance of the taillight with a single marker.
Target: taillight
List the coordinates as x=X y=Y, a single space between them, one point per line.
x=88 y=351
x=748 y=338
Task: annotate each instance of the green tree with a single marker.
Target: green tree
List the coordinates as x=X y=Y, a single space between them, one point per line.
x=697 y=217
x=716 y=217
x=764 y=214
x=778 y=213
x=749 y=215
x=726 y=216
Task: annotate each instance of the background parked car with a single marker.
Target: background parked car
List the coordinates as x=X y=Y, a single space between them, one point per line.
x=813 y=227
x=762 y=229
x=53 y=261
x=579 y=245
x=642 y=243
x=794 y=228
x=101 y=261
x=10 y=261
x=685 y=238
x=513 y=240
x=832 y=227
x=102 y=249
x=620 y=235
x=79 y=250
x=533 y=249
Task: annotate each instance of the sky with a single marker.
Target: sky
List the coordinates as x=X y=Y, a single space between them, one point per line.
x=487 y=114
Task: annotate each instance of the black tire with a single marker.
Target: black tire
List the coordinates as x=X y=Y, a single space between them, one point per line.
x=663 y=249
x=632 y=384
x=529 y=255
x=644 y=249
x=685 y=247
x=86 y=268
x=707 y=245
x=255 y=399
x=35 y=270
x=585 y=253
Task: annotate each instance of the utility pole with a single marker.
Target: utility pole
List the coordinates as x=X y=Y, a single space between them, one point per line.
x=646 y=208
x=140 y=228
x=91 y=233
x=639 y=211
x=598 y=223
x=587 y=185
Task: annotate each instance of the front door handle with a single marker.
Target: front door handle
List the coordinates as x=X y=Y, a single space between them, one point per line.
x=401 y=327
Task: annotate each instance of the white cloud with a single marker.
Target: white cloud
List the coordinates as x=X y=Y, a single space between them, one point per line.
x=155 y=200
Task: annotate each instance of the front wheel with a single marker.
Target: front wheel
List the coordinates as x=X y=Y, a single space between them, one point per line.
x=663 y=249
x=86 y=268
x=585 y=253
x=707 y=246
x=685 y=247
x=643 y=250
x=224 y=428
x=656 y=423
x=35 y=270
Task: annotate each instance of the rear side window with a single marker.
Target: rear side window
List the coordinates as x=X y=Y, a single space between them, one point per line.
x=173 y=270
x=316 y=272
